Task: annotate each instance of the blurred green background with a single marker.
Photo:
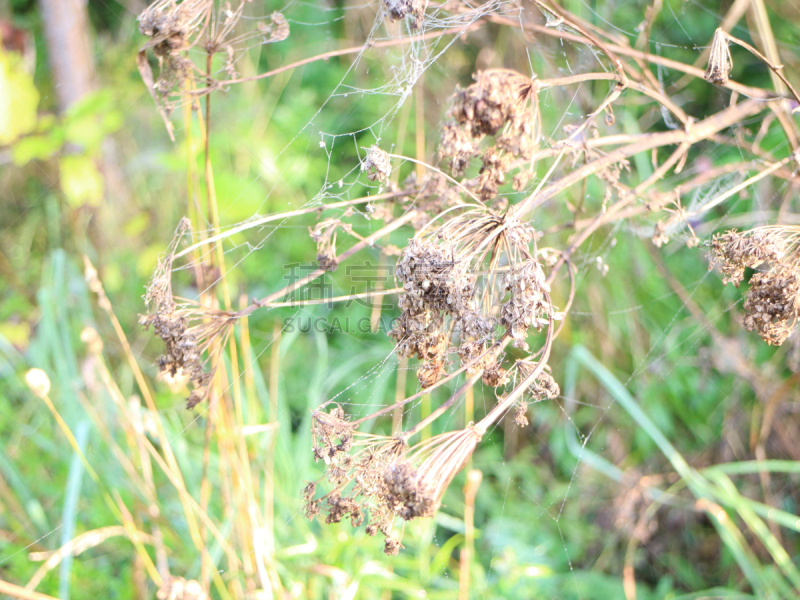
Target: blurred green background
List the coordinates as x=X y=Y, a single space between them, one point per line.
x=561 y=499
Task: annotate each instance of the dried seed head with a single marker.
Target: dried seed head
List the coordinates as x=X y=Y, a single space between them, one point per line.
x=469 y=351
x=413 y=492
x=419 y=334
x=500 y=103
x=545 y=387
x=529 y=304
x=332 y=434
x=495 y=375
x=459 y=146
x=772 y=305
x=173 y=22
x=436 y=284
x=495 y=99
x=309 y=491
x=356 y=464
x=187 y=330
x=430 y=372
x=324 y=234
x=399 y=9
x=736 y=251
x=719 y=60
x=378 y=163
x=174 y=27
x=276 y=30
x=434 y=278
x=521 y=414
x=393 y=545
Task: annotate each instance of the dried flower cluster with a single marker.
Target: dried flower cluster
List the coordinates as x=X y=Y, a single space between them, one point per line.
x=446 y=292
x=324 y=234
x=381 y=479
x=400 y=9
x=735 y=251
x=378 y=164
x=544 y=387
x=187 y=329
x=772 y=303
x=174 y=28
x=502 y=104
x=434 y=284
x=528 y=305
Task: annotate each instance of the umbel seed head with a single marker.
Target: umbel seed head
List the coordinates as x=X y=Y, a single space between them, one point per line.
x=719 y=61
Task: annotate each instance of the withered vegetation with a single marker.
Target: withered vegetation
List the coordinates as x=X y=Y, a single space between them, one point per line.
x=478 y=274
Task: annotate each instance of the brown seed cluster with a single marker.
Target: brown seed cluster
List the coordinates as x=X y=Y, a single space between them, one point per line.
x=503 y=104
x=529 y=304
x=276 y=30
x=435 y=284
x=772 y=303
x=175 y=27
x=378 y=479
x=400 y=9
x=377 y=164
x=734 y=251
x=171 y=25
x=444 y=295
x=324 y=234
x=544 y=387
x=187 y=330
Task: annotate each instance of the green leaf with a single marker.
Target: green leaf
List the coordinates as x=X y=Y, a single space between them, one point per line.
x=81 y=182
x=34 y=147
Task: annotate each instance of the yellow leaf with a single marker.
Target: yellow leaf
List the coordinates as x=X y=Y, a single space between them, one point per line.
x=19 y=99
x=81 y=182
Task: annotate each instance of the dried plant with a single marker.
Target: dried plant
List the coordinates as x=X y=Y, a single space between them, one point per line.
x=501 y=104
x=324 y=234
x=378 y=479
x=377 y=164
x=187 y=328
x=772 y=304
x=174 y=28
x=473 y=282
x=719 y=61
x=400 y=9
